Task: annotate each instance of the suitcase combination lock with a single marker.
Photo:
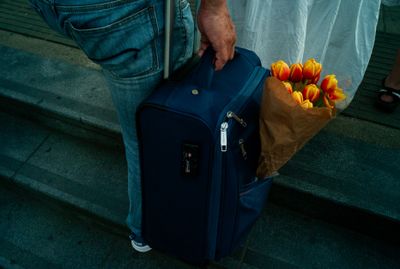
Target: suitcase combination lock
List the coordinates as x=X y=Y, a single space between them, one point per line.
x=190 y=160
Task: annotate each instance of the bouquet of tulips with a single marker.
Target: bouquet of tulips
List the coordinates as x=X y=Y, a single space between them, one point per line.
x=294 y=108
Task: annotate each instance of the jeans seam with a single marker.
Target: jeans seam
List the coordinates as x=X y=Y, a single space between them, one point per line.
x=147 y=11
x=111 y=26
x=113 y=77
x=156 y=31
x=92 y=7
x=47 y=2
x=155 y=66
x=184 y=30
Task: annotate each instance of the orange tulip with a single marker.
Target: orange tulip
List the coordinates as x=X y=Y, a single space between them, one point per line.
x=298 y=97
x=315 y=80
x=311 y=69
x=328 y=103
x=288 y=86
x=306 y=104
x=311 y=92
x=296 y=72
x=337 y=95
x=329 y=83
x=280 y=70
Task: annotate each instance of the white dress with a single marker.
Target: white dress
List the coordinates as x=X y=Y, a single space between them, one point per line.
x=338 y=33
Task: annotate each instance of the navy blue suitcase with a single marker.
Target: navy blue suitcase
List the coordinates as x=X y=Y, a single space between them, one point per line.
x=199 y=154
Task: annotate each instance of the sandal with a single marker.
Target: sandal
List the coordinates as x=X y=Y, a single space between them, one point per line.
x=388 y=98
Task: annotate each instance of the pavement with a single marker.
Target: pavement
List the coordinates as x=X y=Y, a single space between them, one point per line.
x=63 y=183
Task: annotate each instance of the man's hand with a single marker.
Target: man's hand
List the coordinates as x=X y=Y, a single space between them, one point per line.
x=217 y=29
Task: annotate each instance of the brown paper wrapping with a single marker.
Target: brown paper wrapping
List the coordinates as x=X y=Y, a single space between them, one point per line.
x=285 y=126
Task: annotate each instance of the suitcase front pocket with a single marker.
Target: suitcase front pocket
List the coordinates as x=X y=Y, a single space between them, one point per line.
x=252 y=199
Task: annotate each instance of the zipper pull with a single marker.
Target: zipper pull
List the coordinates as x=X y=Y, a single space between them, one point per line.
x=232 y=115
x=224 y=136
x=242 y=149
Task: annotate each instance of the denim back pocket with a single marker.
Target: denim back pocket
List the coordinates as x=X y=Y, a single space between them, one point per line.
x=126 y=48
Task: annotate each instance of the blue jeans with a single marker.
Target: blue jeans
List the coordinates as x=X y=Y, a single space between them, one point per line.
x=126 y=38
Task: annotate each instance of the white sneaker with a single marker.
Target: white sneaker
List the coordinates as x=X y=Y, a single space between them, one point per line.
x=138 y=243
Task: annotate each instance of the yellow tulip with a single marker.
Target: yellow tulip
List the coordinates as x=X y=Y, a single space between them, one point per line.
x=306 y=104
x=329 y=83
x=311 y=69
x=311 y=92
x=337 y=95
x=296 y=72
x=288 y=86
x=280 y=70
x=298 y=97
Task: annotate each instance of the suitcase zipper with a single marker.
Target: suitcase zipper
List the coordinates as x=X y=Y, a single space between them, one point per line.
x=224 y=136
x=242 y=149
x=232 y=115
x=224 y=129
x=236 y=103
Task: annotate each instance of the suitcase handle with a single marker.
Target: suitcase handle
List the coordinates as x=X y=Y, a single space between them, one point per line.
x=206 y=68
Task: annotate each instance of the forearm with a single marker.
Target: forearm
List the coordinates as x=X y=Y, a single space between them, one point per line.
x=217 y=30
x=213 y=4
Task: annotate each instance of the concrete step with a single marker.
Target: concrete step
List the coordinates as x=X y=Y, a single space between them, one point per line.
x=285 y=238
x=348 y=174
x=348 y=163
x=74 y=171
x=38 y=233
x=89 y=180
x=59 y=90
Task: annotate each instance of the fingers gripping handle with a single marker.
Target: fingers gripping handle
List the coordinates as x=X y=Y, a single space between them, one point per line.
x=206 y=69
